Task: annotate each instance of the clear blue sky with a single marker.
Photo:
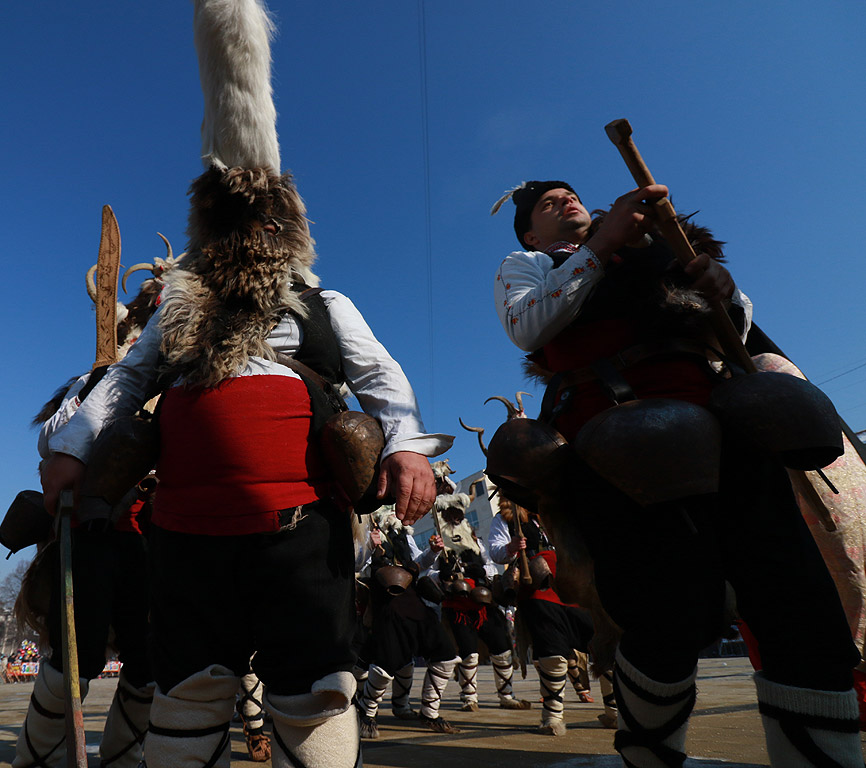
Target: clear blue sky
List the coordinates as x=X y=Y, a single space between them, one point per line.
x=751 y=112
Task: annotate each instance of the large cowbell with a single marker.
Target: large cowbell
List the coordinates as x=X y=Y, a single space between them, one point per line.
x=523 y=457
x=26 y=522
x=654 y=450
x=781 y=414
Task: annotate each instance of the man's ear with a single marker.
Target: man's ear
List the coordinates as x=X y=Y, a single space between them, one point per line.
x=531 y=239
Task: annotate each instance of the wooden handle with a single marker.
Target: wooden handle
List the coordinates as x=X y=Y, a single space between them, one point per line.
x=71 y=688
x=619 y=132
x=525 y=576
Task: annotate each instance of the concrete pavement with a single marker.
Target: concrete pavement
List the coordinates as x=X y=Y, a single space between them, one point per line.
x=725 y=728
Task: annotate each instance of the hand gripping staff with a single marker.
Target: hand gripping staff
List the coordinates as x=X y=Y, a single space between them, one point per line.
x=525 y=575
x=619 y=132
x=76 y=757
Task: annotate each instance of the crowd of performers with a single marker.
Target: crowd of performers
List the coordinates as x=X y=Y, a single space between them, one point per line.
x=448 y=602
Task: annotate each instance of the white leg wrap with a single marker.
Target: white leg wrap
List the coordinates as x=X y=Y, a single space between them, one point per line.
x=126 y=725
x=250 y=704
x=42 y=740
x=401 y=687
x=435 y=679
x=317 y=729
x=607 y=695
x=653 y=717
x=806 y=728
x=503 y=671
x=552 y=674
x=578 y=672
x=374 y=690
x=189 y=725
x=467 y=676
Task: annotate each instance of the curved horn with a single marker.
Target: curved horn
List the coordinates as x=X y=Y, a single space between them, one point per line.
x=512 y=410
x=479 y=431
x=168 y=255
x=135 y=268
x=155 y=269
x=519 y=399
x=91 y=283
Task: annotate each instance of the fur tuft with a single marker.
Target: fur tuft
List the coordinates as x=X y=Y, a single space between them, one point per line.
x=235 y=282
x=232 y=39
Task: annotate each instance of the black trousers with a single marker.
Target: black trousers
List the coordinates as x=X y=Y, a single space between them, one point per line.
x=555 y=629
x=494 y=631
x=109 y=576
x=286 y=596
x=404 y=627
x=660 y=572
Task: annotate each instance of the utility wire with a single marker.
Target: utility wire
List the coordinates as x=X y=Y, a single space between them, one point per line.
x=425 y=140
x=840 y=375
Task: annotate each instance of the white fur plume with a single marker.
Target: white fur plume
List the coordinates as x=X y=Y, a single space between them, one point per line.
x=232 y=39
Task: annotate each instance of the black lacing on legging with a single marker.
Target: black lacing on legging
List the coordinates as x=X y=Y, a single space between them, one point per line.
x=40 y=760
x=137 y=735
x=651 y=738
x=295 y=761
x=794 y=725
x=192 y=733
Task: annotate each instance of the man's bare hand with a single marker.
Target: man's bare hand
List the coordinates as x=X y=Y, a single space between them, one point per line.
x=628 y=220
x=516 y=544
x=406 y=476
x=709 y=278
x=60 y=472
x=436 y=543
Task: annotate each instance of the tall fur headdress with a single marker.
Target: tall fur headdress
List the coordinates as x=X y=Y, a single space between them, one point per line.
x=232 y=40
x=249 y=239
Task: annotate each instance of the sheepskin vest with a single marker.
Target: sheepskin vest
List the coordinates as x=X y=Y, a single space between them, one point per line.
x=234 y=457
x=624 y=309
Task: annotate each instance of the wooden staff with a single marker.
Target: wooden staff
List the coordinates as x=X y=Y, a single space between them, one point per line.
x=525 y=575
x=619 y=132
x=76 y=756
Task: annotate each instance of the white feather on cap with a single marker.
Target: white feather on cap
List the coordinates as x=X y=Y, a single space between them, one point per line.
x=232 y=39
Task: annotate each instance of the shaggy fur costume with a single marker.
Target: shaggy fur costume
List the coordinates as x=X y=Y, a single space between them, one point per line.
x=249 y=239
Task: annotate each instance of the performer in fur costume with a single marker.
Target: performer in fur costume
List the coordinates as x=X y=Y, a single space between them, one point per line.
x=110 y=577
x=462 y=558
x=599 y=304
x=560 y=633
x=403 y=627
x=249 y=358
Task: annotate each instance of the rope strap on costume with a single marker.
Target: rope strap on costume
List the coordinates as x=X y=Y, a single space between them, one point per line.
x=795 y=727
x=137 y=734
x=296 y=762
x=39 y=760
x=503 y=671
x=653 y=715
x=401 y=686
x=192 y=733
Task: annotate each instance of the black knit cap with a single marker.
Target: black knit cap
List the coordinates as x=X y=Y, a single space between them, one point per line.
x=525 y=197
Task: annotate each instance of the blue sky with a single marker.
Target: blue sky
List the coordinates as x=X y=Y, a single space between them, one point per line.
x=751 y=112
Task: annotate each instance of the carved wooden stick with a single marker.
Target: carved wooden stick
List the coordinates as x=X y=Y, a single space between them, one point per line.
x=619 y=132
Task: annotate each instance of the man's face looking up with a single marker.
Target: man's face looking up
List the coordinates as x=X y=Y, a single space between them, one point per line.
x=558 y=215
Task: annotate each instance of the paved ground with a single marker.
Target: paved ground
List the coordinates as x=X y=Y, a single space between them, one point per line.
x=725 y=729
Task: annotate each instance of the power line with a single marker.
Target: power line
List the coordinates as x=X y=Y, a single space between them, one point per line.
x=840 y=375
x=425 y=140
